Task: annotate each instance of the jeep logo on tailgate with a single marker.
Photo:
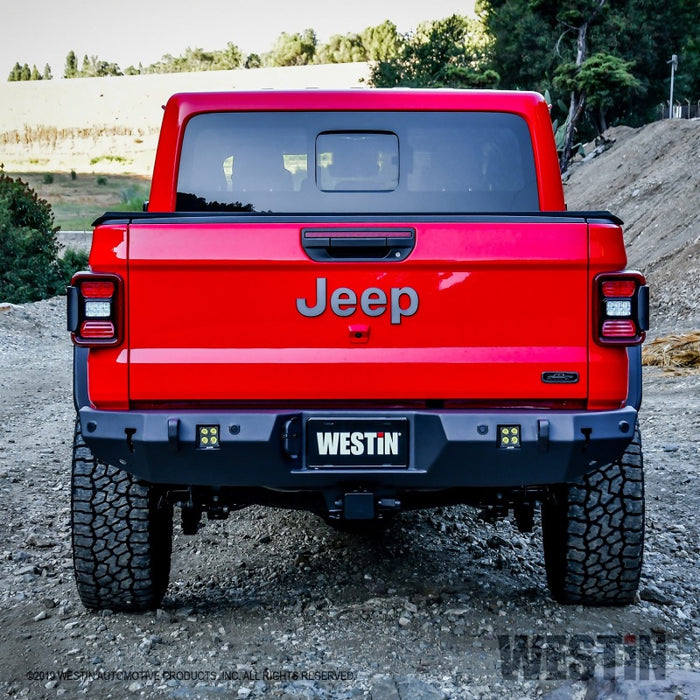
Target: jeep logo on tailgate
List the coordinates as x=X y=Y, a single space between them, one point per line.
x=402 y=301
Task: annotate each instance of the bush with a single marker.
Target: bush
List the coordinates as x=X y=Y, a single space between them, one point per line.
x=72 y=261
x=30 y=268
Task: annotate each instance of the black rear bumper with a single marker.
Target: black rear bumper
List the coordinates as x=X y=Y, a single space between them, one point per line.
x=446 y=448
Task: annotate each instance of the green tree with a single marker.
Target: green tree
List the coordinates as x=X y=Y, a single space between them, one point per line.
x=253 y=60
x=29 y=264
x=293 y=49
x=523 y=40
x=25 y=73
x=577 y=20
x=197 y=59
x=647 y=34
x=71 y=68
x=95 y=67
x=536 y=42
x=442 y=53
x=599 y=81
x=687 y=84
x=229 y=58
x=381 y=43
x=15 y=73
x=194 y=59
x=346 y=48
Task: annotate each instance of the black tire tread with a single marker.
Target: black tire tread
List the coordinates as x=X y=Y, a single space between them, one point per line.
x=593 y=533
x=121 y=533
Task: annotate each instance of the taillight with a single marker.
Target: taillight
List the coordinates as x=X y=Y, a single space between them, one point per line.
x=618 y=288
x=621 y=307
x=95 y=309
x=101 y=330
x=99 y=289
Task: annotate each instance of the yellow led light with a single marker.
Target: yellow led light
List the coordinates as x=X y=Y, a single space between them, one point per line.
x=208 y=437
x=509 y=436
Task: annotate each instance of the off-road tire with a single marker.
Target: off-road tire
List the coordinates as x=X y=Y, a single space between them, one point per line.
x=122 y=535
x=593 y=532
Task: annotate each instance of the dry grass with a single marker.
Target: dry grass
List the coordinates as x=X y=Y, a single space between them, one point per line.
x=63 y=125
x=46 y=135
x=674 y=351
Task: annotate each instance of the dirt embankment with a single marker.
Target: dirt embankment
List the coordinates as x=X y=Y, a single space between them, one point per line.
x=650 y=178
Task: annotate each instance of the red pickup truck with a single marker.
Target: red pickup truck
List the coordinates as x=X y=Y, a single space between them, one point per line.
x=357 y=302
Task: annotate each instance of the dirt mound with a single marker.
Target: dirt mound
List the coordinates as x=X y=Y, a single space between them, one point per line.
x=651 y=179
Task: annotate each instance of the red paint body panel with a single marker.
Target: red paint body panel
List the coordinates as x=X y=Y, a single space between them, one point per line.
x=529 y=105
x=499 y=304
x=211 y=308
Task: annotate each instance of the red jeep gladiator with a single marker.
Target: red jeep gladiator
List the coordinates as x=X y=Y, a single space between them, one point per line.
x=357 y=302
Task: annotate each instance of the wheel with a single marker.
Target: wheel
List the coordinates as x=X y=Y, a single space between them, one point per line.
x=122 y=533
x=593 y=532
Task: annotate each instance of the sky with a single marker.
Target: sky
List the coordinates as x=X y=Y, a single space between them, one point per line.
x=127 y=32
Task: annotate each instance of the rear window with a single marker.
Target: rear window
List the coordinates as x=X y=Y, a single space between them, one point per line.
x=357 y=162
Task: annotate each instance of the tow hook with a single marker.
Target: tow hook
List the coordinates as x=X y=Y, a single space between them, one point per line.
x=130 y=432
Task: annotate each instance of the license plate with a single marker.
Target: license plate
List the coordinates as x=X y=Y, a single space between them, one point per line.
x=349 y=442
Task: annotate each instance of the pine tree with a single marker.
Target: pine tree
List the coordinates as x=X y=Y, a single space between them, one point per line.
x=71 y=69
x=15 y=73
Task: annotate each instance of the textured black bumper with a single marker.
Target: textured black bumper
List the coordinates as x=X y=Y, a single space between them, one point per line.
x=446 y=449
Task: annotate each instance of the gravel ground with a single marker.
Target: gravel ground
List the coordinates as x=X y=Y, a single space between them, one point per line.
x=275 y=604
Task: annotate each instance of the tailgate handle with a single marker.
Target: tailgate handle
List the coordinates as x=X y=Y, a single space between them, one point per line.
x=356 y=245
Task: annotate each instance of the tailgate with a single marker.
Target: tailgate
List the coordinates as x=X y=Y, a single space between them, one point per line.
x=238 y=311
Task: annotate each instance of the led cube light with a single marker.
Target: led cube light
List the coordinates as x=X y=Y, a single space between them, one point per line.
x=208 y=437
x=508 y=436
